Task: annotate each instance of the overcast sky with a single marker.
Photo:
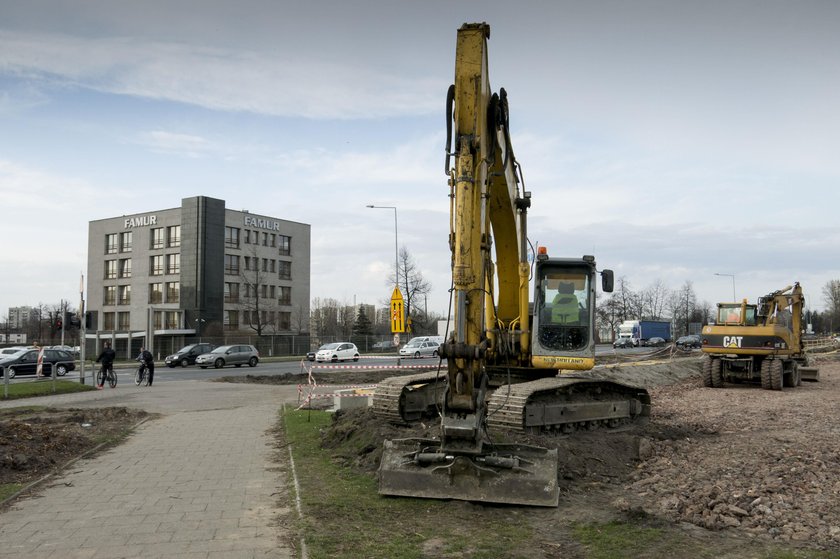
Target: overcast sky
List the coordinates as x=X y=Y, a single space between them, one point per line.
x=672 y=140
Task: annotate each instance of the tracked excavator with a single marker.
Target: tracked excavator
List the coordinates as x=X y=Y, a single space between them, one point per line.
x=509 y=365
x=758 y=342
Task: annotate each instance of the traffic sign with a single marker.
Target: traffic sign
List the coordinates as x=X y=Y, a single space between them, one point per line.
x=397 y=312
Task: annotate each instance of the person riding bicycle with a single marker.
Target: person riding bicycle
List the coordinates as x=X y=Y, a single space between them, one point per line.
x=107 y=358
x=147 y=360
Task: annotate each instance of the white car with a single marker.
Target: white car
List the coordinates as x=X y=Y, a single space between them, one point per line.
x=338 y=351
x=423 y=349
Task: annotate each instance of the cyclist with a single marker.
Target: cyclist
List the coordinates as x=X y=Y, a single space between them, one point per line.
x=107 y=358
x=147 y=360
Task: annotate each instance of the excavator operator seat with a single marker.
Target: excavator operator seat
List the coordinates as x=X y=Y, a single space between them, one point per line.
x=565 y=308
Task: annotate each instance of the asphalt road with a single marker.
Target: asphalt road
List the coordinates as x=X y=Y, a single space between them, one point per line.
x=125 y=373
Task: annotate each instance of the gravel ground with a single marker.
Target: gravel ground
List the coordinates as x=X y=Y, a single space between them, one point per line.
x=759 y=462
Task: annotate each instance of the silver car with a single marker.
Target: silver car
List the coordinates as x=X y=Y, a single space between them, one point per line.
x=236 y=355
x=423 y=349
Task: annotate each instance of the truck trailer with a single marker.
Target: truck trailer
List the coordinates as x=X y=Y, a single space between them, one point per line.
x=647 y=329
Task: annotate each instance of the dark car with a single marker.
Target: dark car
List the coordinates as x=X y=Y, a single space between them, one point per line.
x=187 y=354
x=655 y=342
x=25 y=362
x=688 y=342
x=623 y=343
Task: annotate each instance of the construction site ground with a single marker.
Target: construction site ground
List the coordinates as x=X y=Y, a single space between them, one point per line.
x=741 y=469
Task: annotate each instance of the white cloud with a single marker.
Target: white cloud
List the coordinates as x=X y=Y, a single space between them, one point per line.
x=215 y=78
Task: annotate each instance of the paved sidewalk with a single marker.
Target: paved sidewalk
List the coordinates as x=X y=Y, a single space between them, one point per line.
x=198 y=482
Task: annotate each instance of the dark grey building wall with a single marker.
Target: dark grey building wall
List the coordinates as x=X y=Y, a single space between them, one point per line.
x=202 y=259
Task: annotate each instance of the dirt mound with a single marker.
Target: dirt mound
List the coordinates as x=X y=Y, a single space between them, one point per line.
x=740 y=461
x=33 y=442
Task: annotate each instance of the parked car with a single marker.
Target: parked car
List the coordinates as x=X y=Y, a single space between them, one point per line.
x=25 y=362
x=623 y=343
x=338 y=351
x=655 y=341
x=236 y=355
x=11 y=350
x=424 y=349
x=688 y=342
x=187 y=355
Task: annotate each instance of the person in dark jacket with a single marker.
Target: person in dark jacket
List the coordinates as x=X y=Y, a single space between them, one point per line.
x=107 y=359
x=147 y=360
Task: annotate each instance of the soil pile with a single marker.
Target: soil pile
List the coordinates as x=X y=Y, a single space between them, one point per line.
x=34 y=442
x=740 y=460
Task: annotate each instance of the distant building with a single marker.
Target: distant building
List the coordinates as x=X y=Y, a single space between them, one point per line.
x=13 y=339
x=19 y=317
x=167 y=276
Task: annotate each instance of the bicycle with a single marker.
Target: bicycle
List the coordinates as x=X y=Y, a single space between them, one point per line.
x=141 y=378
x=106 y=374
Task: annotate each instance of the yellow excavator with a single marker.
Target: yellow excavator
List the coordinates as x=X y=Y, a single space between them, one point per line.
x=508 y=363
x=761 y=342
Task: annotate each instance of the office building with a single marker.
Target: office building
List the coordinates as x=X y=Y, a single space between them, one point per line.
x=166 y=277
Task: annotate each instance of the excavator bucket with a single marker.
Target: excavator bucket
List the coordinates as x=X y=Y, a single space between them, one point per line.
x=511 y=474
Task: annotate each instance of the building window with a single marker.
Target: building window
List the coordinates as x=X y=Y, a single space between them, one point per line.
x=273 y=240
x=232 y=264
x=284 y=245
x=110 y=295
x=124 y=295
x=173 y=236
x=265 y=239
x=123 y=321
x=247 y=263
x=111 y=246
x=173 y=263
x=247 y=237
x=173 y=291
x=156 y=265
x=284 y=269
x=265 y=264
x=264 y=291
x=231 y=320
x=284 y=321
x=273 y=293
x=173 y=320
x=232 y=237
x=285 y=295
x=156 y=293
x=125 y=268
x=231 y=292
x=125 y=241
x=157 y=320
x=108 y=322
x=272 y=266
x=110 y=269
x=157 y=238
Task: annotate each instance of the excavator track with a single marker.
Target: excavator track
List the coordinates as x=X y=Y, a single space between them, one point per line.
x=408 y=398
x=564 y=404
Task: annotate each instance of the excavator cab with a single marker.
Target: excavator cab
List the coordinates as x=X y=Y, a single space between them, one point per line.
x=564 y=313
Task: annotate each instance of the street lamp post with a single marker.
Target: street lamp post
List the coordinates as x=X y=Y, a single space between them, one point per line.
x=396 y=242
x=733 y=283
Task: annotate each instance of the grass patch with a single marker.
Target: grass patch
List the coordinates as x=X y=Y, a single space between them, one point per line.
x=617 y=539
x=344 y=516
x=42 y=388
x=9 y=489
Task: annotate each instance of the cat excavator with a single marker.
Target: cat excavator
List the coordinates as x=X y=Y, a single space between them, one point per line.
x=509 y=365
x=761 y=342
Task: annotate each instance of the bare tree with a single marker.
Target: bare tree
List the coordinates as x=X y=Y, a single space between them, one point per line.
x=411 y=281
x=653 y=300
x=831 y=297
x=259 y=302
x=683 y=306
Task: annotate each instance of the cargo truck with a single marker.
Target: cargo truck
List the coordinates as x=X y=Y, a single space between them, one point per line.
x=647 y=329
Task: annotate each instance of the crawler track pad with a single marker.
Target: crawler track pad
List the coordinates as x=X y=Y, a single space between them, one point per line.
x=528 y=477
